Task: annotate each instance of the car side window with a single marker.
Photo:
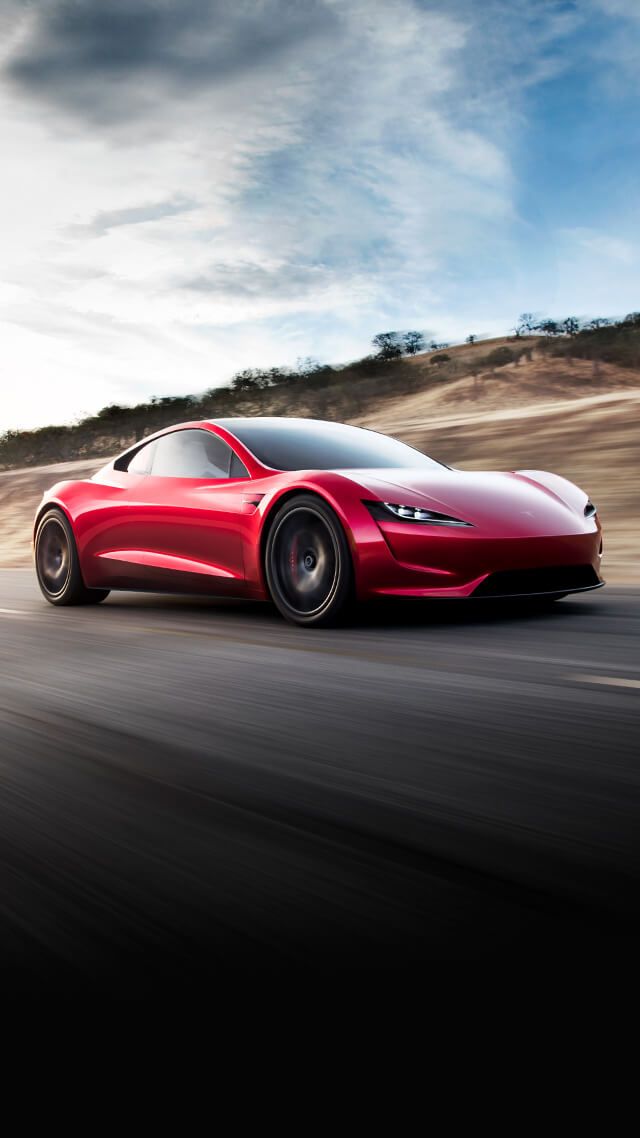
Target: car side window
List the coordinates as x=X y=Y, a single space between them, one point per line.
x=195 y=454
x=237 y=468
x=141 y=461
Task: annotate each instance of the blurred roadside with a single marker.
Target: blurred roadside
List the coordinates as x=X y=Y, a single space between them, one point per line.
x=20 y=492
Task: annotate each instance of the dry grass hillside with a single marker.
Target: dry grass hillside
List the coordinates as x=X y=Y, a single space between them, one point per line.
x=578 y=417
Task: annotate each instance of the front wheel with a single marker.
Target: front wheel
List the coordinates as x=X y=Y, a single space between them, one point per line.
x=308 y=563
x=58 y=566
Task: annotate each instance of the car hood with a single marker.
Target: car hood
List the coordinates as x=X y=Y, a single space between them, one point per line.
x=518 y=502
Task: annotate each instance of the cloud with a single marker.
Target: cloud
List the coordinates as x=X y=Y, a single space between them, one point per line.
x=619 y=46
x=250 y=281
x=604 y=245
x=267 y=179
x=627 y=9
x=103 y=222
x=107 y=61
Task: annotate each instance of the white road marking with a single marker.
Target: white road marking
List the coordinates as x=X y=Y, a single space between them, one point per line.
x=14 y=612
x=610 y=681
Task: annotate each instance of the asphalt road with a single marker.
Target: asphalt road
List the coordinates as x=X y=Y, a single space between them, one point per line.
x=188 y=786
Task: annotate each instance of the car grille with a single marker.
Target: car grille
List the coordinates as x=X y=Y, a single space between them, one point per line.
x=554 y=579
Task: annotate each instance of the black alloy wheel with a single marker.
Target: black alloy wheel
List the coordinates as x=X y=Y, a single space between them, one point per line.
x=57 y=563
x=308 y=563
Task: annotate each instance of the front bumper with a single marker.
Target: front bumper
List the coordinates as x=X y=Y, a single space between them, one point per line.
x=462 y=563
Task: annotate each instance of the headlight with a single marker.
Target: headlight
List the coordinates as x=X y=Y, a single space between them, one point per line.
x=589 y=509
x=383 y=510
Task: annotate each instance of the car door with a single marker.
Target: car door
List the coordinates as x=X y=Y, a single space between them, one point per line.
x=187 y=514
x=105 y=531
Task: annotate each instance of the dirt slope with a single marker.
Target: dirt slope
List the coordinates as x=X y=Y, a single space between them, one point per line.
x=20 y=493
x=543 y=380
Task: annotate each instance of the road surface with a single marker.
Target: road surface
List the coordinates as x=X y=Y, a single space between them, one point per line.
x=190 y=785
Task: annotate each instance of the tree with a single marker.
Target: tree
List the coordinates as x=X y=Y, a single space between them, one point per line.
x=471 y=339
x=244 y=381
x=526 y=324
x=548 y=327
x=112 y=411
x=571 y=326
x=389 y=345
x=251 y=379
x=413 y=342
x=273 y=376
x=308 y=365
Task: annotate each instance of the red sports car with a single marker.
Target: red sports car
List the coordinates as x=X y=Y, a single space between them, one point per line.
x=311 y=515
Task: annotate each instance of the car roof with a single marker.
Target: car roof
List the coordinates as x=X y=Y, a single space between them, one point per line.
x=266 y=419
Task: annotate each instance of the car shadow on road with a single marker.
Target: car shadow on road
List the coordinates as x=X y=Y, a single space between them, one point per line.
x=410 y=613
x=396 y=613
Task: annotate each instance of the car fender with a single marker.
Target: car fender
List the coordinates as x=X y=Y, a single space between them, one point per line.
x=341 y=493
x=557 y=485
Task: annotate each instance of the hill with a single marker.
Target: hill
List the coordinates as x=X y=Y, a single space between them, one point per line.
x=317 y=390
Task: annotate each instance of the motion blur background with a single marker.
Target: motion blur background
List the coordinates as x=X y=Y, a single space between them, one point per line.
x=413 y=215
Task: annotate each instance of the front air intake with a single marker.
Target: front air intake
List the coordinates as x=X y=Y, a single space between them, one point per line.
x=528 y=582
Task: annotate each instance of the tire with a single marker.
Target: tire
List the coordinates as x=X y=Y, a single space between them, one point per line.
x=308 y=564
x=58 y=565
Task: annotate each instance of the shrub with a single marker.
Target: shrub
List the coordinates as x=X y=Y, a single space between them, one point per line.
x=500 y=356
x=440 y=358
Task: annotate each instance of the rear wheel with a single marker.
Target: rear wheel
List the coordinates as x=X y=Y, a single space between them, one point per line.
x=307 y=562
x=58 y=566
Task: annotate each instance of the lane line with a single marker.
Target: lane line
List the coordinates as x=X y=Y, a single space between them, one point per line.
x=14 y=612
x=609 y=681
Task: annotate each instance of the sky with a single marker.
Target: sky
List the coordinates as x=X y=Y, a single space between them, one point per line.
x=191 y=187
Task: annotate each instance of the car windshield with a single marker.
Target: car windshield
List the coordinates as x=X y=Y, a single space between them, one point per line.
x=310 y=444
